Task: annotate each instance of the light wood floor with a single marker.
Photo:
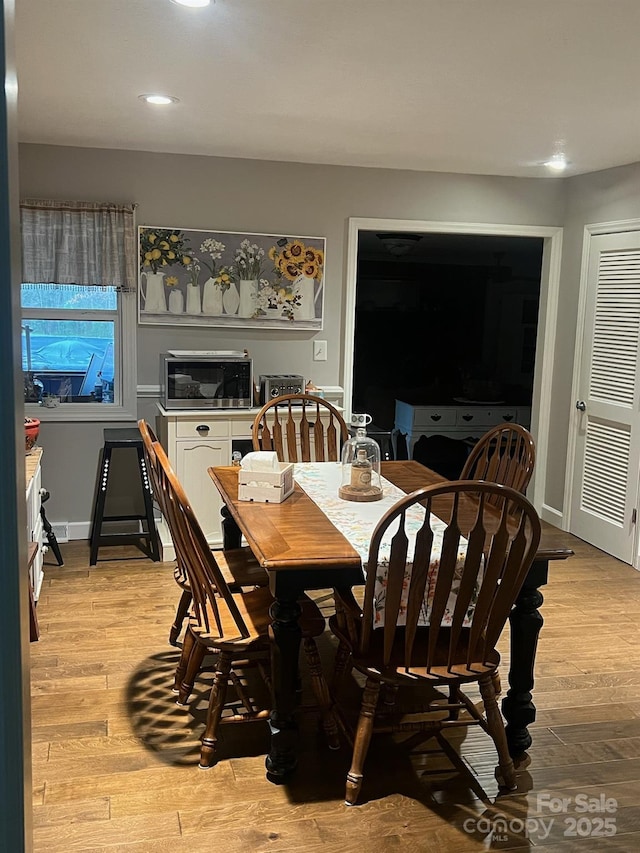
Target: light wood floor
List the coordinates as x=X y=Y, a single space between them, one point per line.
x=115 y=760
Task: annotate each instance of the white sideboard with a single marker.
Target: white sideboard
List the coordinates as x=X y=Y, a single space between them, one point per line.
x=460 y=421
x=195 y=441
x=35 y=529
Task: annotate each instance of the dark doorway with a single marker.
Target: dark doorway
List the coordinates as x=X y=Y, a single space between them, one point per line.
x=444 y=317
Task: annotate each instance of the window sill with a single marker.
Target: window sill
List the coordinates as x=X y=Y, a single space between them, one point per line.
x=79 y=412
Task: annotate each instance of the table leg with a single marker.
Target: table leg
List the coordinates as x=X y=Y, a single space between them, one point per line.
x=517 y=706
x=285 y=649
x=231 y=536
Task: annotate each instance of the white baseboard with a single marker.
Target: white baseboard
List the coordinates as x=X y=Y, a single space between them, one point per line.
x=552 y=515
x=78 y=530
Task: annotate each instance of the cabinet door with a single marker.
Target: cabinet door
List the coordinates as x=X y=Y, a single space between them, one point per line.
x=192 y=460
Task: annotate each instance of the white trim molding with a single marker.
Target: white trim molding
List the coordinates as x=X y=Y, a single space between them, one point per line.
x=552 y=515
x=151 y=391
x=547 y=326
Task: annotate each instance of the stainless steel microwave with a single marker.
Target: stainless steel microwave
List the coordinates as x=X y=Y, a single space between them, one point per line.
x=205 y=380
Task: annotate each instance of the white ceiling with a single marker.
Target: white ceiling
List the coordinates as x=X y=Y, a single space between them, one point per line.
x=475 y=86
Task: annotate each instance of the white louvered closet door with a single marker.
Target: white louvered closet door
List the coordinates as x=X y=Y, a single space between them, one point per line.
x=607 y=461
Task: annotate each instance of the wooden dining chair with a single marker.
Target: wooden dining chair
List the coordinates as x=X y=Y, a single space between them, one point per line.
x=505 y=454
x=471 y=572
x=233 y=625
x=300 y=428
x=238 y=566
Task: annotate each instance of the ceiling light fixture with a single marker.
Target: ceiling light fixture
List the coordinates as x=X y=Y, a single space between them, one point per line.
x=159 y=100
x=558 y=163
x=194 y=4
x=399 y=244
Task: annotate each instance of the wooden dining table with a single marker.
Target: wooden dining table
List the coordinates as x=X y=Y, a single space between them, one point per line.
x=301 y=550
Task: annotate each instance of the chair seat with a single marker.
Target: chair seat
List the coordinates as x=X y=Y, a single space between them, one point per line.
x=396 y=673
x=239 y=568
x=254 y=609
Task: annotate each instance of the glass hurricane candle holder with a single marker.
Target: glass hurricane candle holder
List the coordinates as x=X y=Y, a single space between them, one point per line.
x=360 y=468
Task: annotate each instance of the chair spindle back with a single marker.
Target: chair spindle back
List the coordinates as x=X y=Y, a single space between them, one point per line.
x=499 y=531
x=212 y=598
x=300 y=428
x=506 y=455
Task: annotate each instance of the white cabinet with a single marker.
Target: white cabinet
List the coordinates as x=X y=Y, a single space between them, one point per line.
x=192 y=459
x=194 y=442
x=35 y=529
x=461 y=421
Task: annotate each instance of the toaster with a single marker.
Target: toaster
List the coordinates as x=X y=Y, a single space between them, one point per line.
x=274 y=385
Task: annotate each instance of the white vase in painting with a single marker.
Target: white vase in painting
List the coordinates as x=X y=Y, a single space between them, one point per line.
x=154 y=299
x=176 y=301
x=211 y=298
x=248 y=297
x=193 y=299
x=306 y=309
x=231 y=299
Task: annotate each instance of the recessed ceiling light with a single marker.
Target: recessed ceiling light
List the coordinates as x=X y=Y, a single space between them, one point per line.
x=558 y=163
x=162 y=100
x=195 y=4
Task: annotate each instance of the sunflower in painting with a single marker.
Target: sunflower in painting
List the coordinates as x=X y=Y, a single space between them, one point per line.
x=296 y=259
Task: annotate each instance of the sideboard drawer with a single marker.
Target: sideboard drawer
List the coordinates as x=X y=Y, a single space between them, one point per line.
x=508 y=416
x=209 y=428
x=429 y=416
x=242 y=427
x=485 y=417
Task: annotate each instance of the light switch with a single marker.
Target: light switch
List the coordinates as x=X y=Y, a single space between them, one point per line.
x=319 y=350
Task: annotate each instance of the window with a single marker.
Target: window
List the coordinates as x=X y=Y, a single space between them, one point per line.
x=78 y=322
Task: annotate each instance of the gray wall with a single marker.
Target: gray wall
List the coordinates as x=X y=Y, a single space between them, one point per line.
x=607 y=196
x=260 y=196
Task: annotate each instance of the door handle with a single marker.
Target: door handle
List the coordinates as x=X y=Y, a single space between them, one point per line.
x=581 y=406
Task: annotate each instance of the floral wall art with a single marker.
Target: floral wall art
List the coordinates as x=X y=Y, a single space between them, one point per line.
x=220 y=278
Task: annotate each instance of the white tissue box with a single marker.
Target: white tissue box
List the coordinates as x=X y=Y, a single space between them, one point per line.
x=266 y=486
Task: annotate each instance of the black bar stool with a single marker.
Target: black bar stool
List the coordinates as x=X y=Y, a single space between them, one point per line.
x=123 y=438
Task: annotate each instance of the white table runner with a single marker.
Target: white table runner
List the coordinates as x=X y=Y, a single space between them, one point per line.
x=356 y=521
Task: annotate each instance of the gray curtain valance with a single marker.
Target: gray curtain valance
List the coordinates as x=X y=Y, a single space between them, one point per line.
x=78 y=242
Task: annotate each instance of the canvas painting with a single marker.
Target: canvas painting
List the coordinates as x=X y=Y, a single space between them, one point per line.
x=221 y=278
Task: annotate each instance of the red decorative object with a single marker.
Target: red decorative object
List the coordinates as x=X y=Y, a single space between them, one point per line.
x=31 y=429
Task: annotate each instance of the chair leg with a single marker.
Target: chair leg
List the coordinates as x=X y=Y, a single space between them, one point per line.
x=181 y=612
x=340 y=667
x=453 y=698
x=321 y=692
x=495 y=727
x=362 y=740
x=497 y=684
x=187 y=648
x=217 y=701
x=194 y=665
x=389 y=696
